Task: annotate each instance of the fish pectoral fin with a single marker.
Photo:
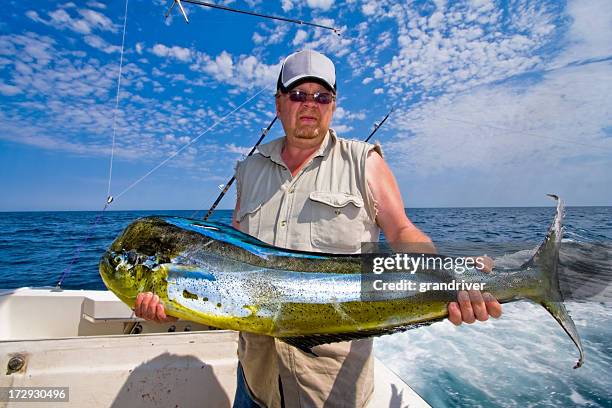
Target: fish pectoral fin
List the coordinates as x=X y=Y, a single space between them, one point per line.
x=307 y=342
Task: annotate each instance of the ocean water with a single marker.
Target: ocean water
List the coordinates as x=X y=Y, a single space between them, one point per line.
x=523 y=359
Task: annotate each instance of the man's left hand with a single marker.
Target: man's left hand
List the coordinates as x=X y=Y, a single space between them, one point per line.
x=473 y=305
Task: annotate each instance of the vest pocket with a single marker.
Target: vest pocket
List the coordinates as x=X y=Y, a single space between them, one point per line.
x=249 y=218
x=337 y=221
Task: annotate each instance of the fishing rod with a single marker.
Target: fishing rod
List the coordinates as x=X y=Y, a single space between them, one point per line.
x=231 y=181
x=378 y=125
x=251 y=13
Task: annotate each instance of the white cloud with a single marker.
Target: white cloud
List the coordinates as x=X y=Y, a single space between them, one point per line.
x=221 y=67
x=33 y=15
x=287 y=5
x=272 y=34
x=232 y=148
x=344 y=119
x=456 y=57
x=9 y=90
x=244 y=71
x=88 y=21
x=561 y=118
x=590 y=32
x=29 y=48
x=99 y=43
x=435 y=20
x=342 y=129
x=384 y=40
x=369 y=8
x=300 y=37
x=179 y=53
x=258 y=38
x=343 y=114
x=458 y=47
x=96 y=4
x=37 y=139
x=97 y=20
x=378 y=91
x=493 y=101
x=61 y=19
x=328 y=42
x=322 y=4
x=54 y=80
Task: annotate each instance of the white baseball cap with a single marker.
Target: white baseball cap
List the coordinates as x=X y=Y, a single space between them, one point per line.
x=307 y=65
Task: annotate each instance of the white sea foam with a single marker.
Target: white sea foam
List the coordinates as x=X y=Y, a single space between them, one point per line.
x=521 y=359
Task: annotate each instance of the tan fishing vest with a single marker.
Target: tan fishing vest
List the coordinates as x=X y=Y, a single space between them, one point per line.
x=326 y=207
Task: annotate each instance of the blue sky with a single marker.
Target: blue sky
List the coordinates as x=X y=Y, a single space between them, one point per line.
x=497 y=103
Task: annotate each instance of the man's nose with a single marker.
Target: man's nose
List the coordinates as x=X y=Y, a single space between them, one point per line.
x=310 y=101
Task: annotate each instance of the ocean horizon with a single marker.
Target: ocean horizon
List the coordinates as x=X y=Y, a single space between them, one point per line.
x=157 y=210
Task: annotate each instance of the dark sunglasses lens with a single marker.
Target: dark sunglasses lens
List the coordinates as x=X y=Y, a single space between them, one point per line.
x=323 y=98
x=298 y=96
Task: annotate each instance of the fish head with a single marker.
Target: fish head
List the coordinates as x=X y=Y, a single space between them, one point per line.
x=128 y=273
x=134 y=262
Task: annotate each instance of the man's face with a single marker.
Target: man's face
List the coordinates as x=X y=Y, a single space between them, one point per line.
x=304 y=121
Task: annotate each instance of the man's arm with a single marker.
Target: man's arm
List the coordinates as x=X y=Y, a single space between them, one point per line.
x=391 y=217
x=398 y=229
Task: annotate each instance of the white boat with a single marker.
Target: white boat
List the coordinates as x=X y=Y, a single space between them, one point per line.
x=91 y=343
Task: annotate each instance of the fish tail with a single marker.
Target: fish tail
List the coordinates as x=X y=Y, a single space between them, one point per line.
x=546 y=260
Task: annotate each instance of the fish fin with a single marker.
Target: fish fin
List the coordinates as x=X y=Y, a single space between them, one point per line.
x=558 y=311
x=307 y=342
x=546 y=260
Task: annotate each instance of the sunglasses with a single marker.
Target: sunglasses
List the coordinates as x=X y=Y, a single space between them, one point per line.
x=323 y=98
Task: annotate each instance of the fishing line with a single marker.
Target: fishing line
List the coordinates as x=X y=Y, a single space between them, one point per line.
x=110 y=171
x=173 y=155
x=231 y=180
x=109 y=198
x=263 y=134
x=77 y=253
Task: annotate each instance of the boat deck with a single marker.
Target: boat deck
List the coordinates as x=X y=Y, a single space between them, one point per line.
x=75 y=339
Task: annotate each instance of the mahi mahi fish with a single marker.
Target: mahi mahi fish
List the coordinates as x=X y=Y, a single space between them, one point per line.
x=211 y=273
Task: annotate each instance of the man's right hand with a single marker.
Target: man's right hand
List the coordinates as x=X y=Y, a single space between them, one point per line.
x=149 y=307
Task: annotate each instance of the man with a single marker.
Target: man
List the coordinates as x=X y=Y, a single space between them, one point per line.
x=314 y=191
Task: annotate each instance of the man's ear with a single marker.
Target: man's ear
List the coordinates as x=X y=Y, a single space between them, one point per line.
x=277 y=103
